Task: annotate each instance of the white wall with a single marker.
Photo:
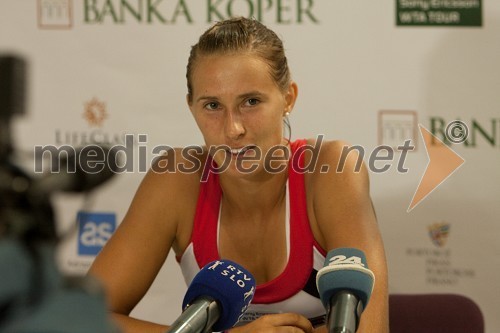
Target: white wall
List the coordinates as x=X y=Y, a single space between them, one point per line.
x=350 y=64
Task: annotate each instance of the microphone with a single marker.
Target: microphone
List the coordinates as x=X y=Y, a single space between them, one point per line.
x=13 y=72
x=345 y=285
x=216 y=298
x=79 y=170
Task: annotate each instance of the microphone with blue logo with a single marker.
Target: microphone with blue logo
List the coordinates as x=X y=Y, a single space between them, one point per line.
x=345 y=285
x=216 y=298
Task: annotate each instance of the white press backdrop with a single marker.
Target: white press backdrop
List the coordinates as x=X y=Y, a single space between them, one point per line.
x=358 y=74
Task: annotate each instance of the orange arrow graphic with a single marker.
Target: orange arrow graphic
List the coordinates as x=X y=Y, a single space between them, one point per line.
x=443 y=161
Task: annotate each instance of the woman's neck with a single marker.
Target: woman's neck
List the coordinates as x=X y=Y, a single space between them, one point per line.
x=253 y=196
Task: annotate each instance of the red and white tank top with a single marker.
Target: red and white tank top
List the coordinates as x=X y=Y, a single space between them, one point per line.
x=294 y=290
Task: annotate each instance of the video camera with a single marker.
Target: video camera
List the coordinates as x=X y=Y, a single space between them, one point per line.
x=34 y=296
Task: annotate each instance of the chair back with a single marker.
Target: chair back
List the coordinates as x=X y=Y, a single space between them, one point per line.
x=434 y=313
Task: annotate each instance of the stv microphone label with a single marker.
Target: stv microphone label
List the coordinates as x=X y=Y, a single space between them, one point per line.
x=94 y=230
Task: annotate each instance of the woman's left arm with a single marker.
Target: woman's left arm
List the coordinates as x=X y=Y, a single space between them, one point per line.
x=343 y=216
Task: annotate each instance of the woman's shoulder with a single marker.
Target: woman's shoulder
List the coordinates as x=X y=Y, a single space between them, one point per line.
x=332 y=155
x=321 y=143
x=177 y=172
x=181 y=162
x=336 y=165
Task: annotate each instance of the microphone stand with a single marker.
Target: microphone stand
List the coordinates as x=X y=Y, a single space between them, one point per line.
x=344 y=312
x=192 y=322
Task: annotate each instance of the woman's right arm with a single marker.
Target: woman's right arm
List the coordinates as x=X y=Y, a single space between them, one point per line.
x=133 y=256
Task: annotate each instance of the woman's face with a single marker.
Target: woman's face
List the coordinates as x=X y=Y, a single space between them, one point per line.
x=239 y=109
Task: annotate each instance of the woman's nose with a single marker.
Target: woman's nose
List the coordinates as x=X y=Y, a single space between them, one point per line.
x=234 y=127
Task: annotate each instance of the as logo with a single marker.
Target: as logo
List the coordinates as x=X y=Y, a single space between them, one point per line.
x=94 y=230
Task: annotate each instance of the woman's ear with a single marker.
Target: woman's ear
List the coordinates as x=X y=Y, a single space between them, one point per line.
x=291 y=96
x=189 y=102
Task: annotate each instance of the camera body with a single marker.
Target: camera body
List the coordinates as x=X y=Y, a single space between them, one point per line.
x=34 y=296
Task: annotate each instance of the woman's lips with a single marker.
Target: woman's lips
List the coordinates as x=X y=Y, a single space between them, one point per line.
x=238 y=152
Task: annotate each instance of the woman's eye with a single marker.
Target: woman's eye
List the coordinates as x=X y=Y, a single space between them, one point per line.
x=212 y=106
x=252 y=101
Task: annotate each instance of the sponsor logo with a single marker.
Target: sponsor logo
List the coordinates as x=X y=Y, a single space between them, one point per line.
x=439 y=269
x=472 y=134
x=439 y=13
x=172 y=12
x=438 y=232
x=58 y=14
x=95 y=112
x=396 y=127
x=94 y=230
x=55 y=14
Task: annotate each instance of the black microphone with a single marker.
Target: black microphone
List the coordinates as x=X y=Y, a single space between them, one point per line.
x=345 y=285
x=216 y=298
x=13 y=70
x=78 y=170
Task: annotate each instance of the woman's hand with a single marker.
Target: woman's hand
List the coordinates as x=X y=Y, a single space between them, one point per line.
x=279 y=323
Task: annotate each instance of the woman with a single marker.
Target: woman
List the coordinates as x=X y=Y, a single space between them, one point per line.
x=240 y=94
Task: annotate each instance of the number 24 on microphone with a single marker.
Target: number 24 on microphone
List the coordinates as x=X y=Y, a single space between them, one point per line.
x=343 y=260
